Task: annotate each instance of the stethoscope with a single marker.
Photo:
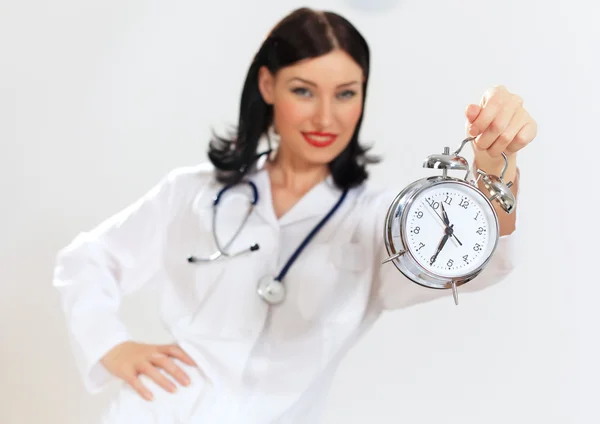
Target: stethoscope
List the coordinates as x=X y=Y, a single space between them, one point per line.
x=221 y=250
x=269 y=288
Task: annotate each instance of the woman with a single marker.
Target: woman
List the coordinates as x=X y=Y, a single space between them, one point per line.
x=235 y=357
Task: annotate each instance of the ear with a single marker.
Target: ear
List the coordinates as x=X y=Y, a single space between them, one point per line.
x=266 y=84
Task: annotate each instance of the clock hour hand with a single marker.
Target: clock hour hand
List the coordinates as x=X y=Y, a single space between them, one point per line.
x=444 y=215
x=435 y=212
x=447 y=221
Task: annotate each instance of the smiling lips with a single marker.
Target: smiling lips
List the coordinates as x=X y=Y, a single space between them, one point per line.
x=319 y=139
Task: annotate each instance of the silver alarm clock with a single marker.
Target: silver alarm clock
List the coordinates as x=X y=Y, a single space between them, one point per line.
x=441 y=231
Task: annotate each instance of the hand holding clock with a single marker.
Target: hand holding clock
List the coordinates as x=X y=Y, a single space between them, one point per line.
x=498 y=124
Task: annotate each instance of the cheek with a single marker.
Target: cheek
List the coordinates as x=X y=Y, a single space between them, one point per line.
x=289 y=114
x=351 y=116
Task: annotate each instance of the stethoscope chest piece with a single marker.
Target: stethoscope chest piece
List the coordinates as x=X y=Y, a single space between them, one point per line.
x=271 y=290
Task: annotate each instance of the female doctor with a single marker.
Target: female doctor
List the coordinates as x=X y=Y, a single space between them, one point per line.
x=261 y=317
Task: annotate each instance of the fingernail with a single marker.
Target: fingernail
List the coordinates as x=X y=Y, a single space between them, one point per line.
x=473 y=131
x=148 y=396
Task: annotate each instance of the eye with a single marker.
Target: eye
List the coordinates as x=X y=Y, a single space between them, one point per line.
x=301 y=91
x=347 y=94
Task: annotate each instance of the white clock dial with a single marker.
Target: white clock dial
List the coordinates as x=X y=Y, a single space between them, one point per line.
x=462 y=246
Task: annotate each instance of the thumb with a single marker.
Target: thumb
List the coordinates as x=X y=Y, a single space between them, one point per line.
x=472 y=112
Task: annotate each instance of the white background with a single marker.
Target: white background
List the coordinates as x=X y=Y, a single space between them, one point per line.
x=98 y=99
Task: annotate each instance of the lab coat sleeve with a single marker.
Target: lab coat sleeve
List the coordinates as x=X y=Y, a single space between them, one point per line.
x=394 y=291
x=98 y=267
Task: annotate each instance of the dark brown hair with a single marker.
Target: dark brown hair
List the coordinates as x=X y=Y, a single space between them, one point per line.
x=302 y=34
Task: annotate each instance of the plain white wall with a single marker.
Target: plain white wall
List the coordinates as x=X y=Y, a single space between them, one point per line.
x=98 y=99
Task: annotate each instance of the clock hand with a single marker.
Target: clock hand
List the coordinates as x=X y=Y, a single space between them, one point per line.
x=444 y=215
x=439 y=249
x=447 y=221
x=456 y=238
x=443 y=220
x=441 y=245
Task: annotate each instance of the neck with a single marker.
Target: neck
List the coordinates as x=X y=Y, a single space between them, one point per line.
x=290 y=174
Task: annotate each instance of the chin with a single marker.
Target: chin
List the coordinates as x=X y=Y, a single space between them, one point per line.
x=322 y=157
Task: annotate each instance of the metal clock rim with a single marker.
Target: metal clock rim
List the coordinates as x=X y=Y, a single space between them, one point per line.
x=436 y=181
x=412 y=191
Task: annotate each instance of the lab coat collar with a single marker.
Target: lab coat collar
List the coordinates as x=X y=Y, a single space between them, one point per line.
x=316 y=202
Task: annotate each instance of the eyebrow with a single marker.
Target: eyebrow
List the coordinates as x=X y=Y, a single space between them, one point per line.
x=313 y=84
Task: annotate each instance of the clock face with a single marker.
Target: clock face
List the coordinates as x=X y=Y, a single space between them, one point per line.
x=450 y=229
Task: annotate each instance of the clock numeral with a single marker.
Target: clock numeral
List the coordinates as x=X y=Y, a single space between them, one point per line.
x=419 y=214
x=433 y=203
x=476 y=216
x=421 y=245
x=448 y=200
x=466 y=258
x=450 y=263
x=464 y=203
x=480 y=230
x=477 y=247
x=417 y=230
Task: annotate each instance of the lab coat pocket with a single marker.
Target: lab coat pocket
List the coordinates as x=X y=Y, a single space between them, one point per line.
x=311 y=281
x=349 y=257
x=191 y=284
x=187 y=404
x=351 y=261
x=191 y=287
x=346 y=308
x=328 y=279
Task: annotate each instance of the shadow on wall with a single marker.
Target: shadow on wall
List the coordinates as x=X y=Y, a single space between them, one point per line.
x=373 y=5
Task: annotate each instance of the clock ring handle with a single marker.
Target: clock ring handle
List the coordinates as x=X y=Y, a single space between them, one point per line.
x=462 y=144
x=505 y=168
x=498 y=189
x=468 y=139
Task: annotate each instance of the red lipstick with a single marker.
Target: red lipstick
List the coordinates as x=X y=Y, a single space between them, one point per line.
x=319 y=139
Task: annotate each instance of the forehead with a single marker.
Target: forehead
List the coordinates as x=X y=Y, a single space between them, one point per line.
x=334 y=68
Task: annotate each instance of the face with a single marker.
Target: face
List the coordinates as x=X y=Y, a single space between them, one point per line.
x=316 y=104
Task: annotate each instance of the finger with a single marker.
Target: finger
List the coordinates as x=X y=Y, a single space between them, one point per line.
x=508 y=135
x=472 y=112
x=523 y=137
x=498 y=124
x=135 y=383
x=169 y=366
x=179 y=353
x=158 y=377
x=487 y=115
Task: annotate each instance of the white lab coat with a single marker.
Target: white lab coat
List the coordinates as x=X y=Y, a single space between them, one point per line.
x=257 y=364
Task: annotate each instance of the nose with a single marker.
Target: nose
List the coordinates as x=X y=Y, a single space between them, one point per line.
x=323 y=117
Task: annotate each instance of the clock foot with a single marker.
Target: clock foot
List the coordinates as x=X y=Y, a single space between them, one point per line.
x=455 y=292
x=397 y=255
